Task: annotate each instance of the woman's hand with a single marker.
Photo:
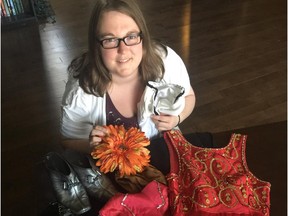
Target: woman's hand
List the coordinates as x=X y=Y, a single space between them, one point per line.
x=95 y=135
x=165 y=122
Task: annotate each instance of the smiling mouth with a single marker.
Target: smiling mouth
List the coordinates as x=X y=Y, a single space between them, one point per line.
x=123 y=60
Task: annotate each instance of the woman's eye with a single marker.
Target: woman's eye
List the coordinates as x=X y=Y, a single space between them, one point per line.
x=109 y=40
x=131 y=37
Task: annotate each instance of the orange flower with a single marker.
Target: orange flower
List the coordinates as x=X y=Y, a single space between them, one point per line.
x=122 y=150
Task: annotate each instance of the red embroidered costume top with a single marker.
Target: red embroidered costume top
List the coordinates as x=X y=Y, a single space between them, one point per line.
x=209 y=181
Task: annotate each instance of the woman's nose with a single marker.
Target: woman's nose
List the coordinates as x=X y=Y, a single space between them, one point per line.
x=122 y=46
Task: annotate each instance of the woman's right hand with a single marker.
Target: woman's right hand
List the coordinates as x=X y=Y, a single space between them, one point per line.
x=95 y=135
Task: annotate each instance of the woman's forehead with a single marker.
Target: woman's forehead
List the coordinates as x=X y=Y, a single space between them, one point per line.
x=114 y=22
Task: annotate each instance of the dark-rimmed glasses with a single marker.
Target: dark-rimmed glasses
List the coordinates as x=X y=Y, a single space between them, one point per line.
x=130 y=40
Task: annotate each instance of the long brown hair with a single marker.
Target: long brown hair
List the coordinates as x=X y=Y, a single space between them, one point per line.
x=89 y=68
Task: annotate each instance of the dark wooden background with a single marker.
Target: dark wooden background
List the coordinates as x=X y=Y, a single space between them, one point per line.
x=235 y=52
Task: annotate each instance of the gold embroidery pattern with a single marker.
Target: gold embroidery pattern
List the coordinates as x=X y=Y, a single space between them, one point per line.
x=215 y=178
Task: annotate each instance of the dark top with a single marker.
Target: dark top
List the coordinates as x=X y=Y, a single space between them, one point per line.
x=115 y=118
x=158 y=148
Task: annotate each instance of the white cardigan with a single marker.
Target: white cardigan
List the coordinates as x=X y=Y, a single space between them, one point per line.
x=80 y=111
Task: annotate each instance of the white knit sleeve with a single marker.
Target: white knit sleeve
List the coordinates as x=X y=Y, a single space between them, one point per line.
x=175 y=71
x=80 y=111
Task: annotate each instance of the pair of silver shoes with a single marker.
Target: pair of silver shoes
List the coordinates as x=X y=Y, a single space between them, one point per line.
x=75 y=177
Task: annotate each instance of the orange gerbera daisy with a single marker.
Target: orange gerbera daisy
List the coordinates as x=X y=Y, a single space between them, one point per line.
x=122 y=150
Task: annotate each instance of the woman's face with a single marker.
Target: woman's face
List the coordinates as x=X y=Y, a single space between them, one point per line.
x=122 y=61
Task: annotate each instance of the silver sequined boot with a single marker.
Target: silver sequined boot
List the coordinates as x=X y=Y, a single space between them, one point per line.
x=69 y=190
x=97 y=184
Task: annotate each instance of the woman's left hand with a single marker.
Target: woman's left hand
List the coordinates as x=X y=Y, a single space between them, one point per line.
x=165 y=122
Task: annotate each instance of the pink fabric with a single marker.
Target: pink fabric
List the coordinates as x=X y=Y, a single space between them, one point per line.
x=210 y=182
x=152 y=200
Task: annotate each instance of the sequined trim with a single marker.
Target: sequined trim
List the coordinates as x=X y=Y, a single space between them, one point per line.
x=157 y=207
x=214 y=178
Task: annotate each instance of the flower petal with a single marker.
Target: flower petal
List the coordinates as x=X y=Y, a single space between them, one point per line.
x=122 y=150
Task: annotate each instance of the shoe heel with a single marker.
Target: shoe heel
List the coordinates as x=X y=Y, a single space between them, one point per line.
x=68 y=188
x=97 y=184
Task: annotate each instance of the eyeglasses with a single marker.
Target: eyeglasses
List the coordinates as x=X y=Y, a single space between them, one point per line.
x=130 y=40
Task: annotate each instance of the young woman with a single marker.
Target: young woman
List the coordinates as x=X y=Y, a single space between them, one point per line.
x=107 y=82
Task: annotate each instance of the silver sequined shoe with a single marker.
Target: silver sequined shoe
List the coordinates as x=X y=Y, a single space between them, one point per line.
x=69 y=190
x=97 y=184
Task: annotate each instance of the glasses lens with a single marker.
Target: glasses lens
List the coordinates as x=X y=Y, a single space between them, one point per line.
x=129 y=40
x=132 y=39
x=109 y=43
